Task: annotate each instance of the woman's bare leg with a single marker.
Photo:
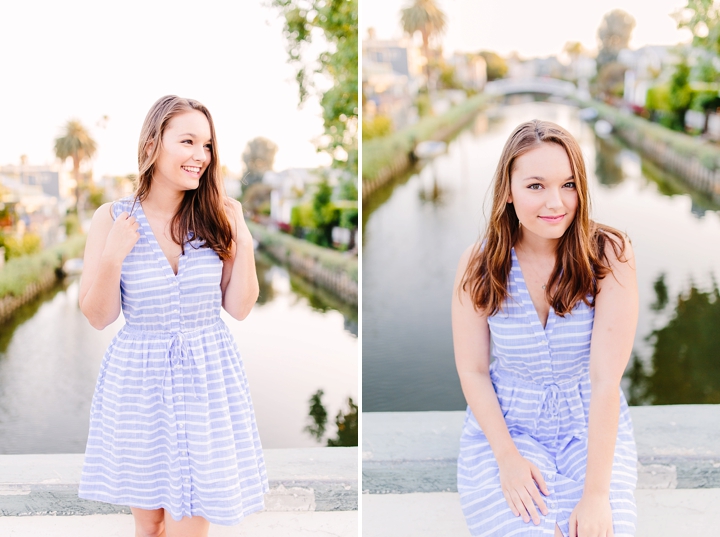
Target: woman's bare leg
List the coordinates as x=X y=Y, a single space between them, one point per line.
x=558 y=533
x=149 y=522
x=195 y=526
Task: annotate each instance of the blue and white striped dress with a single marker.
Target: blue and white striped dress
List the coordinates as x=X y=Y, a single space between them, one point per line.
x=541 y=377
x=171 y=421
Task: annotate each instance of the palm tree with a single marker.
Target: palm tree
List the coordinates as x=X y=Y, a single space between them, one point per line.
x=77 y=144
x=426 y=17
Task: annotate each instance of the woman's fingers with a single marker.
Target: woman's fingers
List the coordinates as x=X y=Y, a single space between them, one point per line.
x=520 y=506
x=539 y=479
x=573 y=525
x=529 y=506
x=537 y=498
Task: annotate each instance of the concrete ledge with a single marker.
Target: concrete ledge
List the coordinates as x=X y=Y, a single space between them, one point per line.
x=661 y=513
x=404 y=452
x=309 y=479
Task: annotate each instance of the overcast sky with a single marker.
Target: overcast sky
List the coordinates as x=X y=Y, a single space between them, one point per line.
x=86 y=59
x=532 y=28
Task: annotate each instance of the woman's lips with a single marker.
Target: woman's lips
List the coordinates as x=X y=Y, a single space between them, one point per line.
x=552 y=219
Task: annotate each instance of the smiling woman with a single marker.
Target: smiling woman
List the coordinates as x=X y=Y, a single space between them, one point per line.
x=552 y=297
x=172 y=427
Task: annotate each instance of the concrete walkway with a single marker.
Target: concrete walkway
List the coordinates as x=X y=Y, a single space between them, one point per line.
x=661 y=513
x=265 y=524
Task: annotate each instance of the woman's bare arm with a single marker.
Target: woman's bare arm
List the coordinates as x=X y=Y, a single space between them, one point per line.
x=471 y=340
x=616 y=314
x=107 y=245
x=240 y=288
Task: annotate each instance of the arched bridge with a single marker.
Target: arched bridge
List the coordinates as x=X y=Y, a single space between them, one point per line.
x=551 y=86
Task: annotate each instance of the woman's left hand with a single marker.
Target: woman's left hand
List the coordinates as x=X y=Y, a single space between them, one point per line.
x=234 y=212
x=592 y=517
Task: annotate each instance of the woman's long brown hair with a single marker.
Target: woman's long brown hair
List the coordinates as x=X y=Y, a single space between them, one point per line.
x=580 y=260
x=202 y=213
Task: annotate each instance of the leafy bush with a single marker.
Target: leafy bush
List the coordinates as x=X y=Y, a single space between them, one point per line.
x=330 y=259
x=20 y=272
x=376 y=127
x=28 y=244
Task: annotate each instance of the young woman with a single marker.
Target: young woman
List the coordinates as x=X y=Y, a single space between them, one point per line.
x=547 y=447
x=172 y=429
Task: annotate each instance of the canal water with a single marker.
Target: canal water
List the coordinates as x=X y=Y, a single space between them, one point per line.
x=416 y=230
x=296 y=341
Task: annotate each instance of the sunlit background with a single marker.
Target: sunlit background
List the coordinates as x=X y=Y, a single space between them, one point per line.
x=104 y=65
x=416 y=223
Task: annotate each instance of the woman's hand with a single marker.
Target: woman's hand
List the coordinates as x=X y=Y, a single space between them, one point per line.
x=122 y=237
x=592 y=517
x=234 y=212
x=520 y=480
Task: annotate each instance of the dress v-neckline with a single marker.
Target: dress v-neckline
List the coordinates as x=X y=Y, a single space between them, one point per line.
x=155 y=245
x=529 y=306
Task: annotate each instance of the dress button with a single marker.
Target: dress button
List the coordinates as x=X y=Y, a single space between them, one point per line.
x=181 y=425
x=179 y=397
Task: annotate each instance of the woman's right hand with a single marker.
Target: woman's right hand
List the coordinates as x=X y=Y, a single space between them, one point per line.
x=122 y=237
x=520 y=480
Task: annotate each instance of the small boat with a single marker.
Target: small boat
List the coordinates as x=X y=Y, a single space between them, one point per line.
x=588 y=114
x=429 y=149
x=73 y=266
x=603 y=128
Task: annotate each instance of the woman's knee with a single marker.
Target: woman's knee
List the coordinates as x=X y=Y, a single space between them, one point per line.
x=149 y=523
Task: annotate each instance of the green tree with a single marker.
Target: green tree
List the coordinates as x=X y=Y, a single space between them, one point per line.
x=347 y=424
x=702 y=18
x=318 y=416
x=680 y=94
x=613 y=36
x=496 y=65
x=77 y=144
x=325 y=216
x=258 y=158
x=338 y=22
x=426 y=17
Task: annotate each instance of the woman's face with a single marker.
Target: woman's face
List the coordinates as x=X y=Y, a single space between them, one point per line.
x=185 y=151
x=542 y=189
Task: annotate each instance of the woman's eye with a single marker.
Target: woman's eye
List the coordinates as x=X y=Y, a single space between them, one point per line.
x=187 y=141
x=535 y=186
x=570 y=184
x=208 y=147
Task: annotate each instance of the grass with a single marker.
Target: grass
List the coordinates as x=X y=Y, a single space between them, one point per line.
x=20 y=272
x=379 y=153
x=330 y=259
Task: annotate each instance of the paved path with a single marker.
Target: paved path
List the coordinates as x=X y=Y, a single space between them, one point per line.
x=265 y=524
x=661 y=513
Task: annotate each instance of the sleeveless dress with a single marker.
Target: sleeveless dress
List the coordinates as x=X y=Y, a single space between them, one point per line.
x=171 y=421
x=541 y=377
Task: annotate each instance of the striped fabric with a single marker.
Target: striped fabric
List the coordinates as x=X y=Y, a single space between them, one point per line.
x=171 y=421
x=541 y=377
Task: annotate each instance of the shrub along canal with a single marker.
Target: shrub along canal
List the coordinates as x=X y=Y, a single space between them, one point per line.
x=416 y=231
x=296 y=341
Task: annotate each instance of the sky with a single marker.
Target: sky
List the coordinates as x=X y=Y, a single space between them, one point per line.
x=86 y=59
x=530 y=27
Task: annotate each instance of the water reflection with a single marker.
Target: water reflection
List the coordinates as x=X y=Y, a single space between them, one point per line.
x=292 y=342
x=684 y=364
x=411 y=248
x=608 y=166
x=346 y=422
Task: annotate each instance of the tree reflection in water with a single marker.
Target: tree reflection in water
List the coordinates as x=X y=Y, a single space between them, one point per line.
x=346 y=422
x=608 y=168
x=686 y=352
